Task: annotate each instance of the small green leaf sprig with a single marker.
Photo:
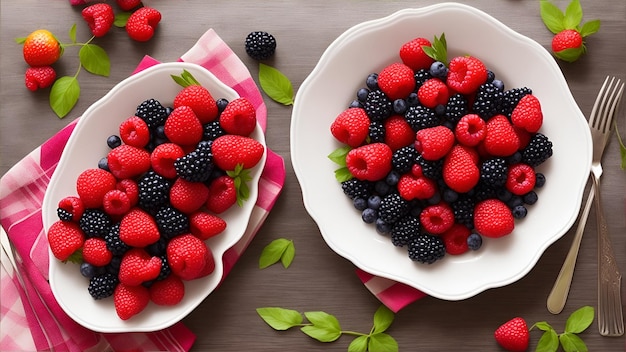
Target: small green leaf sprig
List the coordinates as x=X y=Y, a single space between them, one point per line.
x=325 y=327
x=280 y=249
x=576 y=323
x=276 y=85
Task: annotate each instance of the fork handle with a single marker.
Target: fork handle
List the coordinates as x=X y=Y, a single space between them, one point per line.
x=610 y=315
x=560 y=290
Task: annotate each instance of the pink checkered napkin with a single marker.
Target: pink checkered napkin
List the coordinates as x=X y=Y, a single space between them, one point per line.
x=31 y=317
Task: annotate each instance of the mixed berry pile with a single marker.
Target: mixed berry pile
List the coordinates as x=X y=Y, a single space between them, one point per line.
x=139 y=220
x=439 y=154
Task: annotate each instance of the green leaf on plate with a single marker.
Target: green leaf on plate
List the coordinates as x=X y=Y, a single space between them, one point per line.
x=359 y=344
x=343 y=174
x=549 y=342
x=121 y=18
x=280 y=318
x=325 y=327
x=579 y=320
x=64 y=95
x=589 y=28
x=95 y=59
x=382 y=342
x=275 y=84
x=552 y=16
x=622 y=148
x=573 y=15
x=382 y=319
x=572 y=343
x=280 y=249
x=338 y=156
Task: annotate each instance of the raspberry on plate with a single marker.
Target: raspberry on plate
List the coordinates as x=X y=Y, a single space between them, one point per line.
x=466 y=74
x=527 y=114
x=493 y=218
x=200 y=100
x=239 y=117
x=412 y=54
x=433 y=92
x=460 y=171
x=396 y=81
x=434 y=143
x=351 y=127
x=437 y=219
x=183 y=127
x=92 y=185
x=398 y=132
x=370 y=162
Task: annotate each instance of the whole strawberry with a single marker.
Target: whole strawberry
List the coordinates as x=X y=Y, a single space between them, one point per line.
x=99 y=18
x=513 y=335
x=142 y=23
x=39 y=77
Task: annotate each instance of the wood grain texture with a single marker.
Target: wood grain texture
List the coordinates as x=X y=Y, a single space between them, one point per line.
x=319 y=279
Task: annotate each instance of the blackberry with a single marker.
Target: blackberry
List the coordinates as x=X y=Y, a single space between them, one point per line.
x=260 y=45
x=171 y=222
x=102 y=286
x=94 y=223
x=456 y=108
x=420 y=117
x=197 y=165
x=432 y=169
x=494 y=172
x=403 y=230
x=403 y=159
x=154 y=190
x=488 y=101
x=484 y=191
x=538 y=150
x=165 y=268
x=114 y=265
x=378 y=106
x=212 y=130
x=392 y=208
x=511 y=97
x=376 y=132
x=425 y=248
x=113 y=241
x=355 y=188
x=152 y=112
x=157 y=248
x=463 y=209
x=420 y=77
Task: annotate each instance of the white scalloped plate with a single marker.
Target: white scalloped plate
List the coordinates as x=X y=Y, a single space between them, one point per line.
x=518 y=61
x=85 y=147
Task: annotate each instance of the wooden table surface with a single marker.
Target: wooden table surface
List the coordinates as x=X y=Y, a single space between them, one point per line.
x=319 y=279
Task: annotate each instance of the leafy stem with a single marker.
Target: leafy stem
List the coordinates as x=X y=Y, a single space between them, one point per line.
x=576 y=323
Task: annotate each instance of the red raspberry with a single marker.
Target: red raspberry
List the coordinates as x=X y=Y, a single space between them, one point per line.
x=433 y=92
x=527 y=114
x=138 y=229
x=138 y=266
x=128 y=5
x=455 y=239
x=131 y=189
x=222 y=194
x=204 y=225
x=142 y=23
x=99 y=18
x=167 y=292
x=466 y=74
x=39 y=77
x=95 y=252
x=493 y=218
x=414 y=56
x=460 y=172
x=523 y=136
x=92 y=185
x=127 y=161
x=134 y=131
x=370 y=162
x=116 y=202
x=411 y=187
x=437 y=219
x=231 y=150
x=239 y=117
x=434 y=143
x=163 y=157
x=183 y=127
x=396 y=81
x=130 y=300
x=351 y=127
x=520 y=179
x=189 y=257
x=470 y=130
x=73 y=206
x=200 y=100
x=398 y=132
x=501 y=139
x=65 y=239
x=188 y=196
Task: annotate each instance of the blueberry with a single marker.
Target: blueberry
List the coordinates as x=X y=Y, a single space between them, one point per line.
x=362 y=93
x=160 y=132
x=504 y=194
x=382 y=227
x=450 y=196
x=530 y=198
x=515 y=201
x=87 y=270
x=392 y=178
x=540 y=180
x=519 y=212
x=435 y=199
x=372 y=81
x=114 y=141
x=412 y=100
x=369 y=215
x=474 y=241
x=359 y=203
x=499 y=84
x=355 y=104
x=168 y=110
x=382 y=188
x=438 y=70
x=514 y=159
x=221 y=104
x=440 y=110
x=490 y=76
x=373 y=202
x=103 y=164
x=399 y=106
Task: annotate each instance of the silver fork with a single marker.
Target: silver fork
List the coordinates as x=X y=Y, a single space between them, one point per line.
x=599 y=125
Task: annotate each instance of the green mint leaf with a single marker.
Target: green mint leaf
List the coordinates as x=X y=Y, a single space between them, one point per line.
x=274 y=252
x=573 y=15
x=280 y=318
x=121 y=18
x=189 y=78
x=338 y=156
x=579 y=320
x=359 y=344
x=572 y=343
x=543 y=326
x=72 y=33
x=95 y=59
x=179 y=80
x=382 y=342
x=590 y=28
x=382 y=319
x=287 y=258
x=552 y=16
x=343 y=174
x=438 y=50
x=622 y=148
x=275 y=84
x=570 y=55
x=64 y=95
x=20 y=40
x=549 y=342
x=325 y=327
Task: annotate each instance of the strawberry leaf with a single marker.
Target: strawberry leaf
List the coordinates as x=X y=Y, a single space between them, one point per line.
x=121 y=19
x=185 y=79
x=64 y=95
x=20 y=40
x=95 y=59
x=573 y=15
x=589 y=28
x=275 y=84
x=570 y=55
x=552 y=16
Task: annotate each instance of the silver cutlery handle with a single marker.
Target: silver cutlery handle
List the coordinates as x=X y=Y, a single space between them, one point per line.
x=610 y=315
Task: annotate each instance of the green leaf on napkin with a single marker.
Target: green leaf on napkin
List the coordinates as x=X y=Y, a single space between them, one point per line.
x=280 y=249
x=576 y=323
x=275 y=84
x=64 y=95
x=95 y=59
x=280 y=318
x=622 y=148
